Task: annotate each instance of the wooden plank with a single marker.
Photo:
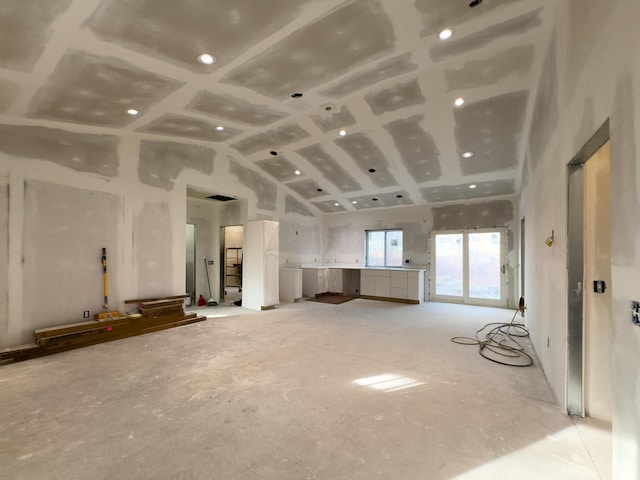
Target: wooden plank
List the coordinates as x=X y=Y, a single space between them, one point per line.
x=141 y=300
x=11 y=353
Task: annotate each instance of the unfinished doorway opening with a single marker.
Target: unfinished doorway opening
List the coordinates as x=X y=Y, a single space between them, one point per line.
x=231 y=260
x=589 y=332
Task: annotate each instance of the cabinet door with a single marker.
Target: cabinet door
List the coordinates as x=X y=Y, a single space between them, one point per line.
x=415 y=286
x=383 y=283
x=367 y=284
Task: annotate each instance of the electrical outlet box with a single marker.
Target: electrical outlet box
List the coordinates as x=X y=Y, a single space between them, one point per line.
x=85 y=314
x=635 y=312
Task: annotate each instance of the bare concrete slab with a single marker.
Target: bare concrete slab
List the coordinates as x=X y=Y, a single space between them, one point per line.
x=362 y=390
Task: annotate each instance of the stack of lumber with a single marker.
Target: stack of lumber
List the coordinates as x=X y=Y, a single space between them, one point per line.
x=154 y=314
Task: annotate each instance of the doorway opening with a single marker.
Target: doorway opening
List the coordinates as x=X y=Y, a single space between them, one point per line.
x=470 y=267
x=589 y=332
x=231 y=259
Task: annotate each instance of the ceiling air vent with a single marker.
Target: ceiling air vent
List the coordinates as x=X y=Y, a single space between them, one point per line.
x=221 y=198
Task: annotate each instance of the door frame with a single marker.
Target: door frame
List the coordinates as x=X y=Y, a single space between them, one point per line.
x=575 y=401
x=465 y=298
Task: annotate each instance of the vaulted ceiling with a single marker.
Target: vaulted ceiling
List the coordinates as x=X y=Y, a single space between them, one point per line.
x=374 y=69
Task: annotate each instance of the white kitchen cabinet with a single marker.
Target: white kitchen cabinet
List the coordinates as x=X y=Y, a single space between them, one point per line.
x=393 y=284
x=383 y=283
x=415 y=286
x=314 y=281
x=399 y=284
x=290 y=284
x=260 y=275
x=367 y=283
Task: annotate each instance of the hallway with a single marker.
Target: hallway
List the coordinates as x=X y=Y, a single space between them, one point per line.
x=362 y=390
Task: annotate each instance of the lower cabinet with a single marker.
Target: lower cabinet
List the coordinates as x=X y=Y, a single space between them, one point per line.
x=402 y=285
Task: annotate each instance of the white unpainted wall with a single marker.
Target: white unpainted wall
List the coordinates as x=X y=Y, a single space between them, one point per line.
x=592 y=75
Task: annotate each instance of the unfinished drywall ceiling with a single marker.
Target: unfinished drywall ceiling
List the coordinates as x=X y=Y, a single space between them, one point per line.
x=356 y=95
x=161 y=162
x=82 y=152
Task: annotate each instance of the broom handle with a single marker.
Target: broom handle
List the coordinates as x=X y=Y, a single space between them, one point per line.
x=104 y=280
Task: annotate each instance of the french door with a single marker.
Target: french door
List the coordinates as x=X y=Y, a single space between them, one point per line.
x=468 y=266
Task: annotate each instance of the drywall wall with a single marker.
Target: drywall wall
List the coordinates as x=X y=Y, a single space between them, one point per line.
x=60 y=211
x=592 y=73
x=344 y=233
x=4 y=257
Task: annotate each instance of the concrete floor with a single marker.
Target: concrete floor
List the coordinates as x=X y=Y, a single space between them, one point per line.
x=362 y=390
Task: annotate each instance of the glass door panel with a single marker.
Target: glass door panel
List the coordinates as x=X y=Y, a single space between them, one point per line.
x=449 y=265
x=484 y=265
x=469 y=267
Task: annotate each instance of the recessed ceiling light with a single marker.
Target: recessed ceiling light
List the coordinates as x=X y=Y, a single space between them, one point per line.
x=206 y=58
x=374 y=199
x=342 y=133
x=445 y=34
x=372 y=170
x=132 y=111
x=475 y=3
x=467 y=154
x=398 y=196
x=459 y=102
x=273 y=152
x=297 y=172
x=296 y=95
x=319 y=190
x=473 y=185
x=220 y=128
x=336 y=204
x=354 y=202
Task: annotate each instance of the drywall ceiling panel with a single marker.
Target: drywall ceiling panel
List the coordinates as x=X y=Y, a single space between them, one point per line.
x=399 y=96
x=387 y=69
x=329 y=206
x=96 y=90
x=436 y=14
x=417 y=149
x=367 y=156
x=490 y=71
x=330 y=168
x=307 y=188
x=8 y=92
x=393 y=199
x=519 y=25
x=490 y=129
x=448 y=193
x=227 y=107
x=279 y=168
x=162 y=162
x=26 y=29
x=80 y=151
x=266 y=191
x=291 y=205
x=333 y=119
x=178 y=33
x=352 y=34
x=271 y=139
x=189 y=127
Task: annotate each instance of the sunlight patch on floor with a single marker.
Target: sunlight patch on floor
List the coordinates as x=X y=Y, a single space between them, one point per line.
x=388 y=382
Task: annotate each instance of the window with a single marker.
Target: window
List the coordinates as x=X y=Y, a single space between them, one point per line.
x=384 y=248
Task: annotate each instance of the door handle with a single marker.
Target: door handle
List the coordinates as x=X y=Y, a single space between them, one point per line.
x=503 y=268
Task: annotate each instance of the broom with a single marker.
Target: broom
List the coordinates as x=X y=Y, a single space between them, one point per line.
x=105 y=288
x=211 y=302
